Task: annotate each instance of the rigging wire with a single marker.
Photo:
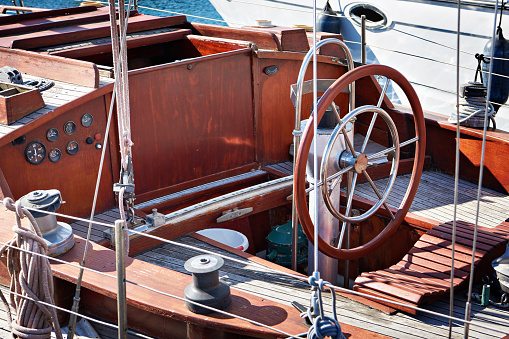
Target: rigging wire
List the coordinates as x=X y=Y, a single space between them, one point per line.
x=456 y=173
x=294 y=276
x=481 y=172
x=76 y=301
x=297 y=277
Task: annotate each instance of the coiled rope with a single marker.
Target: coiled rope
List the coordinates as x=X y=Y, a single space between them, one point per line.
x=30 y=276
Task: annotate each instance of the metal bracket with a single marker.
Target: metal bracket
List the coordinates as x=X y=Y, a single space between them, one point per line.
x=126 y=180
x=233 y=214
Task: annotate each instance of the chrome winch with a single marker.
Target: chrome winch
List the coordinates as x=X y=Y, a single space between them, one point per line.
x=58 y=235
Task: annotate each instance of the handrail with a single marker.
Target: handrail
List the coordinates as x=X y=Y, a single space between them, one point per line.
x=297 y=131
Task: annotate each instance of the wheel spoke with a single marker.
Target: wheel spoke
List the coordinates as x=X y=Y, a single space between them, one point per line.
x=348 y=142
x=336 y=112
x=348 y=209
x=378 y=193
x=372 y=124
x=334 y=176
x=368 y=133
x=390 y=149
x=384 y=90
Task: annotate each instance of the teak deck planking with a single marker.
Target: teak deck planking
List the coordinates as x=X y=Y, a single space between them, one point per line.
x=435 y=198
x=283 y=289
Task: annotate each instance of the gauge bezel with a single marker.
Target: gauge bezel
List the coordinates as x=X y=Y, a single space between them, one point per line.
x=70 y=122
x=91 y=120
x=73 y=152
x=43 y=156
x=52 y=139
x=52 y=159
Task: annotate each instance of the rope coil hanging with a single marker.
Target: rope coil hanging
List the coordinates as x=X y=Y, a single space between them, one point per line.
x=30 y=276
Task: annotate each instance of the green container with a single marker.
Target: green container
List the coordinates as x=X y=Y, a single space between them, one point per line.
x=279 y=245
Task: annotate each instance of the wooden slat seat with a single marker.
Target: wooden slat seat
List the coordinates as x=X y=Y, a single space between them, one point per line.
x=423 y=275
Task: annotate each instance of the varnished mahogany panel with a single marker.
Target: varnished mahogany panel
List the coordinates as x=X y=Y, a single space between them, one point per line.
x=74 y=175
x=191 y=119
x=275 y=117
x=441 y=145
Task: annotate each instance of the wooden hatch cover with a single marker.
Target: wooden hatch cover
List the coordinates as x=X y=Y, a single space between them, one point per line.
x=423 y=275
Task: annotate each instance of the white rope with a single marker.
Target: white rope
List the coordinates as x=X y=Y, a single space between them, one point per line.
x=32 y=276
x=124 y=115
x=96 y=192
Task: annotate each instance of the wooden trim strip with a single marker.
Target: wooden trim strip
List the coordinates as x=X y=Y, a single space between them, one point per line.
x=40 y=13
x=76 y=19
x=265 y=40
x=91 y=31
x=80 y=52
x=157 y=68
x=77 y=72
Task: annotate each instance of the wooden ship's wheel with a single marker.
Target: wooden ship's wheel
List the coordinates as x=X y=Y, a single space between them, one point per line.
x=357 y=162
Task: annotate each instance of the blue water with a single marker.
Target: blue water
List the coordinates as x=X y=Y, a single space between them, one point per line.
x=201 y=8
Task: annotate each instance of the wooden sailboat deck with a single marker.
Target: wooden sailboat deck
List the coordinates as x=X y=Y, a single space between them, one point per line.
x=59 y=94
x=283 y=289
x=435 y=199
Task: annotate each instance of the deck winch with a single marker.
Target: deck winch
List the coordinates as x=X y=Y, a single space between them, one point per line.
x=58 y=235
x=279 y=245
x=206 y=288
x=472 y=106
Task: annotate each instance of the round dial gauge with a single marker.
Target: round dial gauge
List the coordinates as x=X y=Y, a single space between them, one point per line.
x=52 y=134
x=54 y=155
x=87 y=119
x=35 y=152
x=72 y=147
x=69 y=127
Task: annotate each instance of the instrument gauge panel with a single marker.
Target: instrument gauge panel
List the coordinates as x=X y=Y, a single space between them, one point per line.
x=52 y=134
x=54 y=155
x=35 y=152
x=72 y=147
x=69 y=127
x=87 y=119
